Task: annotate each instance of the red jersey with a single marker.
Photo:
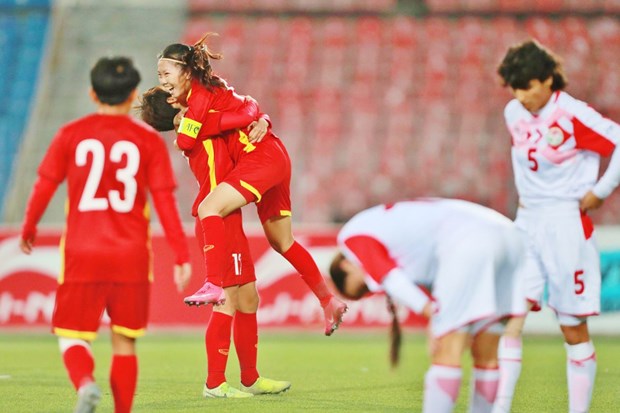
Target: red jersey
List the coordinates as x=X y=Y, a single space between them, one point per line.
x=201 y=102
x=255 y=169
x=109 y=162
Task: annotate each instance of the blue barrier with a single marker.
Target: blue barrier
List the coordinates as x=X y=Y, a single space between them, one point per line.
x=610 y=288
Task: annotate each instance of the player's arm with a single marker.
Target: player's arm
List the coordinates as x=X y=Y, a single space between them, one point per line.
x=596 y=133
x=218 y=122
x=376 y=261
x=42 y=193
x=214 y=123
x=162 y=184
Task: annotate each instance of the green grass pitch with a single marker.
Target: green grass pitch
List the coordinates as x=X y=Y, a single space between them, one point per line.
x=347 y=372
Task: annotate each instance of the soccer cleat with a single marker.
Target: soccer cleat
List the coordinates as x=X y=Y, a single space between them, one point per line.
x=224 y=390
x=88 y=398
x=208 y=294
x=334 y=310
x=263 y=385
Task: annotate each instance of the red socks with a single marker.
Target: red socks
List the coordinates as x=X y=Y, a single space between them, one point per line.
x=245 y=335
x=214 y=249
x=123 y=379
x=303 y=262
x=217 y=342
x=80 y=365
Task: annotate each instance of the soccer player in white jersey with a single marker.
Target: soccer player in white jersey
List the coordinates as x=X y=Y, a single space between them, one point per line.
x=557 y=143
x=466 y=256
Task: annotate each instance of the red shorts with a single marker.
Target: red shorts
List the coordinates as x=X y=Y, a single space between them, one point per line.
x=239 y=267
x=264 y=176
x=79 y=307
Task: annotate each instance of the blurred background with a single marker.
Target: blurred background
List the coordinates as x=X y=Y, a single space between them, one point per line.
x=376 y=100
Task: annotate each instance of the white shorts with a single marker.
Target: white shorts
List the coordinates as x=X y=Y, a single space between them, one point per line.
x=477 y=280
x=559 y=255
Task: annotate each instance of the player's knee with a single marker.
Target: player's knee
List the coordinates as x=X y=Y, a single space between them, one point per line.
x=281 y=244
x=249 y=304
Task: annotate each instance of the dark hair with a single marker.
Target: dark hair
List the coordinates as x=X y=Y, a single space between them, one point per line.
x=113 y=79
x=155 y=110
x=395 y=334
x=530 y=60
x=339 y=277
x=196 y=59
x=337 y=273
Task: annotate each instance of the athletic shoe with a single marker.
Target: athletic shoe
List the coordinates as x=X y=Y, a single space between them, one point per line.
x=208 y=294
x=334 y=310
x=263 y=385
x=225 y=391
x=88 y=398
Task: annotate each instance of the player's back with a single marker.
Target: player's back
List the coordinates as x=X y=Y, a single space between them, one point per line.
x=109 y=162
x=412 y=231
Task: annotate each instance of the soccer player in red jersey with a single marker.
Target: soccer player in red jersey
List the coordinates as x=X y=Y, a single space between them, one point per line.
x=261 y=173
x=238 y=311
x=110 y=161
x=557 y=145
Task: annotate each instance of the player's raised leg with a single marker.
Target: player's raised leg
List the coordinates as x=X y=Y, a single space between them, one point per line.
x=280 y=235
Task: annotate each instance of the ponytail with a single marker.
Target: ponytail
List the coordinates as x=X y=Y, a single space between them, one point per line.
x=200 y=64
x=395 y=334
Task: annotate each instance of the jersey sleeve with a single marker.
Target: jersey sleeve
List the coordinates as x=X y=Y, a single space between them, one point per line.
x=593 y=131
x=218 y=122
x=198 y=106
x=56 y=159
x=376 y=261
x=372 y=255
x=40 y=197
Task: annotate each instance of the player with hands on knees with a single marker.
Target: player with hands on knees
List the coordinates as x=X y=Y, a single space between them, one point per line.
x=450 y=260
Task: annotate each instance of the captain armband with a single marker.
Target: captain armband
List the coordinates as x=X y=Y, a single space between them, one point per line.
x=189 y=127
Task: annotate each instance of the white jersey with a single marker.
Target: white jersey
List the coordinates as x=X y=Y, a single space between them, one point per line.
x=556 y=153
x=411 y=231
x=465 y=254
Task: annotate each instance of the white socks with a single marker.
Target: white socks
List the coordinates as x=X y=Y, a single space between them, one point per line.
x=441 y=388
x=483 y=390
x=509 y=353
x=580 y=372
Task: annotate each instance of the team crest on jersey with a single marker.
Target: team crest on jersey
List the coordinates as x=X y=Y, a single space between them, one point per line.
x=554 y=136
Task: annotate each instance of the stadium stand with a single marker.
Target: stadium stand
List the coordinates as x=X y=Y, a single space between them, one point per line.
x=305 y=6
x=376 y=105
x=523 y=6
x=399 y=107
x=23 y=28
